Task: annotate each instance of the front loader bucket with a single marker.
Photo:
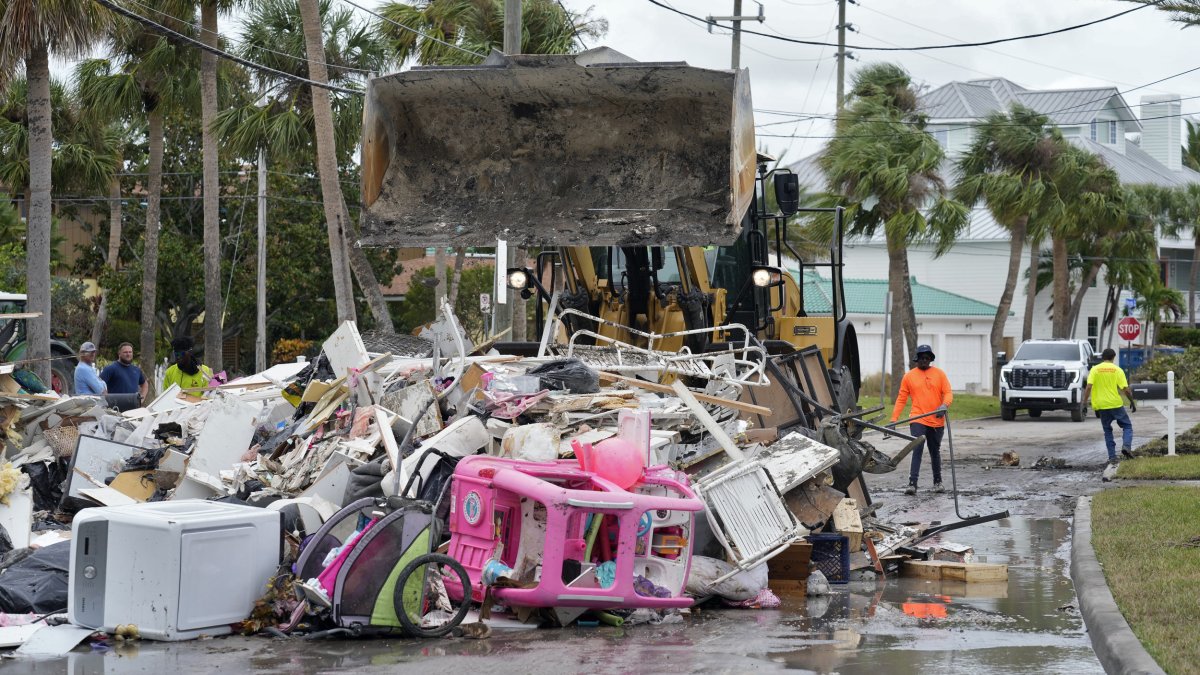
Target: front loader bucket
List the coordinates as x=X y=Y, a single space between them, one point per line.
x=587 y=149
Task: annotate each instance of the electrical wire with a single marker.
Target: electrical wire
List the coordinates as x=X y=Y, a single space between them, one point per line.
x=983 y=43
x=157 y=27
x=242 y=43
x=414 y=30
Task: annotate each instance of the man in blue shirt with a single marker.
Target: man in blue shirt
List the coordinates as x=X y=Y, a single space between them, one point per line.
x=122 y=377
x=87 y=382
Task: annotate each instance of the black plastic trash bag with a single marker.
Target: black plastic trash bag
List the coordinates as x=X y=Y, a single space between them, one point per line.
x=568 y=374
x=37 y=584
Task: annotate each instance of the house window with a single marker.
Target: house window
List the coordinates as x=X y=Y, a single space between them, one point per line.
x=1112 y=132
x=1093 y=130
x=1094 y=332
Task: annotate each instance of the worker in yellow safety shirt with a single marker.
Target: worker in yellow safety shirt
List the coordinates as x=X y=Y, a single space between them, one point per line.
x=186 y=372
x=1105 y=384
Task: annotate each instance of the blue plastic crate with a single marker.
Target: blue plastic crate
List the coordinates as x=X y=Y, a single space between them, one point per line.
x=831 y=555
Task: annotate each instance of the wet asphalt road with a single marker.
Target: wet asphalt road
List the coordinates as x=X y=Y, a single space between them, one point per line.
x=1029 y=624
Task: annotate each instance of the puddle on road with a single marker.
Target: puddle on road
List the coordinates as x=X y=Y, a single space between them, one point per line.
x=1028 y=624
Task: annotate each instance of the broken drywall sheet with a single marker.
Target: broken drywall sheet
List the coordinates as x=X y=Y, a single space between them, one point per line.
x=795 y=458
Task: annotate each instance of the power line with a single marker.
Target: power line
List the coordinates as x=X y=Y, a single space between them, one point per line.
x=243 y=43
x=983 y=43
x=415 y=31
x=219 y=52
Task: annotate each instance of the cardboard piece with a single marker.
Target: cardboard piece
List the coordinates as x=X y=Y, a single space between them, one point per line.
x=137 y=485
x=107 y=496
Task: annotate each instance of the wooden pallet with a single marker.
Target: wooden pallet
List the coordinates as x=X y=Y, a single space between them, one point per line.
x=941 y=570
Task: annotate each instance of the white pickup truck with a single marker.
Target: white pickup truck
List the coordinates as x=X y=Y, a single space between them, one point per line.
x=1047 y=375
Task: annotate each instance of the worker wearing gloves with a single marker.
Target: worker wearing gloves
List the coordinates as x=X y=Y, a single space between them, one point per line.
x=929 y=389
x=1105 y=384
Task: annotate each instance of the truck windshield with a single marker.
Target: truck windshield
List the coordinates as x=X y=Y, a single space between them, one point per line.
x=1047 y=352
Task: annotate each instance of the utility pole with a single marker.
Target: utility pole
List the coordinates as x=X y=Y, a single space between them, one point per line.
x=737 y=19
x=842 y=54
x=260 y=339
x=503 y=300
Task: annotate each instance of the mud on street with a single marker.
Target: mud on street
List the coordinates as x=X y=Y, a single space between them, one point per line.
x=1028 y=624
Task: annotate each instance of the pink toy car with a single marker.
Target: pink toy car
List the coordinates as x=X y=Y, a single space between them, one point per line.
x=561 y=530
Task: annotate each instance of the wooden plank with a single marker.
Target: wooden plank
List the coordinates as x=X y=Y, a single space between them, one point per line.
x=941 y=570
x=665 y=389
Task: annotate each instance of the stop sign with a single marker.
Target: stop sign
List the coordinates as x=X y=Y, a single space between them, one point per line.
x=1129 y=328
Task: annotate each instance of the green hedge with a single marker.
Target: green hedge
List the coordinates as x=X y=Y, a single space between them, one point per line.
x=1179 y=336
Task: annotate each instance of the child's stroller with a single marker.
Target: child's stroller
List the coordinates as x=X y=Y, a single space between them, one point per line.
x=373 y=563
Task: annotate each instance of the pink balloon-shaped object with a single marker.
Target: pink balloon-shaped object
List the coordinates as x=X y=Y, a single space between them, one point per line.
x=619 y=461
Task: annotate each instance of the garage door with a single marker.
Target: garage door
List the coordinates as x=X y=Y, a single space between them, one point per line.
x=963 y=361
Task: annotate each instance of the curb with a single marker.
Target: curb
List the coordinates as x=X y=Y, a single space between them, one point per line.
x=1113 y=640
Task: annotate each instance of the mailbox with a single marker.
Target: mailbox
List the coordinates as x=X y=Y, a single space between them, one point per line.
x=1149 y=391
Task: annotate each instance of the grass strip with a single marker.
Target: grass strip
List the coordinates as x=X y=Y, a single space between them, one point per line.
x=965 y=406
x=1148 y=541
x=1179 y=467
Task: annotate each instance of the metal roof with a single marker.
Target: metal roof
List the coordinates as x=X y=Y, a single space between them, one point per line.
x=1136 y=166
x=867 y=296
x=977 y=99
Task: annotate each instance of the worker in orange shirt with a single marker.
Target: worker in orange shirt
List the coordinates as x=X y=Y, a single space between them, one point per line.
x=929 y=389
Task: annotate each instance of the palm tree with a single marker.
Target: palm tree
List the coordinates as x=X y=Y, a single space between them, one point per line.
x=1010 y=167
x=885 y=168
x=147 y=76
x=478 y=26
x=1191 y=151
x=30 y=31
x=1157 y=302
x=1092 y=192
x=282 y=125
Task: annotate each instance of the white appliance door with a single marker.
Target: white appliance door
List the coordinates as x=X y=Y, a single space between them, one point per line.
x=219 y=582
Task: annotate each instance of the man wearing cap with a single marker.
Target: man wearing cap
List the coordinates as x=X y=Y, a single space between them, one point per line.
x=122 y=377
x=1105 y=384
x=929 y=389
x=86 y=380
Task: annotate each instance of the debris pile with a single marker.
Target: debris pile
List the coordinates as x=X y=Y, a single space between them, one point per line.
x=421 y=486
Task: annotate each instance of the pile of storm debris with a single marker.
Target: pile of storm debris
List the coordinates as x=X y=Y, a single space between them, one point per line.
x=421 y=485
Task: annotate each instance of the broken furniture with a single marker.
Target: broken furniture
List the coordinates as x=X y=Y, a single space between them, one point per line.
x=550 y=526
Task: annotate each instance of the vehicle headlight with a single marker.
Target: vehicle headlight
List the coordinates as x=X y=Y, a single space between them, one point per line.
x=1006 y=375
x=1074 y=376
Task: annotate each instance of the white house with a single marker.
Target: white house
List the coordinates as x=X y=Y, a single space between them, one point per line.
x=1095 y=119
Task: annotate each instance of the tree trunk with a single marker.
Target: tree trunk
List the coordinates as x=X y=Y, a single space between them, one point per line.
x=1031 y=291
x=331 y=190
x=439 y=273
x=214 y=308
x=1116 y=311
x=1062 y=300
x=896 y=283
x=37 y=233
x=113 y=259
x=1077 y=302
x=1195 y=281
x=1015 y=248
x=367 y=280
x=146 y=351
x=460 y=255
x=911 y=336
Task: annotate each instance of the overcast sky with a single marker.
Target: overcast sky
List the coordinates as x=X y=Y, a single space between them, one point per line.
x=1125 y=52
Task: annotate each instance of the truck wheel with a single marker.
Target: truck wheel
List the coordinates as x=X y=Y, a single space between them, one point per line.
x=1007 y=413
x=62 y=378
x=1035 y=413
x=1078 y=412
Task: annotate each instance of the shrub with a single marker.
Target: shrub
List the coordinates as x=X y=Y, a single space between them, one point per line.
x=287 y=349
x=1180 y=336
x=1186 y=367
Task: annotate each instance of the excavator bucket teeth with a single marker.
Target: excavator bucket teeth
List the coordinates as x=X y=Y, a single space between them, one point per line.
x=587 y=149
